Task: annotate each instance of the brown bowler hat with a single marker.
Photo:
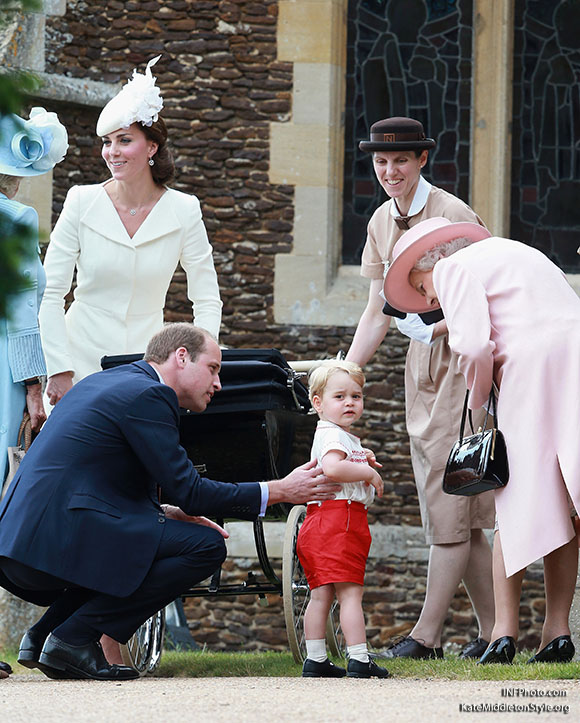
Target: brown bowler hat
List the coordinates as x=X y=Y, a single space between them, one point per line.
x=397 y=134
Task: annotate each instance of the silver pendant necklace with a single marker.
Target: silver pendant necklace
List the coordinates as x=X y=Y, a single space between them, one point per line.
x=132 y=211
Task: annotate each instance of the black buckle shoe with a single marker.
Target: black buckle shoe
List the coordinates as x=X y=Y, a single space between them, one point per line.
x=559 y=650
x=82 y=661
x=410 y=648
x=501 y=650
x=474 y=648
x=356 y=669
x=327 y=669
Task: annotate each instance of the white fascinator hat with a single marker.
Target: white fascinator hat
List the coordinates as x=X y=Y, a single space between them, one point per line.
x=31 y=147
x=138 y=101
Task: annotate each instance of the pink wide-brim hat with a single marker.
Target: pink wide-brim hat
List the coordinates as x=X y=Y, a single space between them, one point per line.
x=409 y=249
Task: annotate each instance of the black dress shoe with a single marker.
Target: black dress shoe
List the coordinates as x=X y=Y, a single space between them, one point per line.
x=327 y=669
x=474 y=648
x=5 y=667
x=410 y=648
x=82 y=661
x=29 y=654
x=501 y=650
x=560 y=650
x=356 y=669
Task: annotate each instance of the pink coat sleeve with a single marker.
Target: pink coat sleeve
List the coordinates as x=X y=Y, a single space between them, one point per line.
x=464 y=302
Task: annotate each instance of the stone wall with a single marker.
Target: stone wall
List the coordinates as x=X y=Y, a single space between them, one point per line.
x=223 y=86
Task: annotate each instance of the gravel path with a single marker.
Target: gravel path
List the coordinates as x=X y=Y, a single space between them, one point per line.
x=32 y=699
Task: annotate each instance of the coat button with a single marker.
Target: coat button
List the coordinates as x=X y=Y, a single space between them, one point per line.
x=30 y=302
x=26 y=273
x=161 y=519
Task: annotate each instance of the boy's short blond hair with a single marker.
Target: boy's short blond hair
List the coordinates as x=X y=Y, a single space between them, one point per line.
x=320 y=375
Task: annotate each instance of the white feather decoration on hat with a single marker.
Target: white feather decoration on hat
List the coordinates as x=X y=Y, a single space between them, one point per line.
x=139 y=101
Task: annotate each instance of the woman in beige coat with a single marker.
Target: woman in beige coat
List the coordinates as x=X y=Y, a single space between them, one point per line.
x=124 y=238
x=434 y=393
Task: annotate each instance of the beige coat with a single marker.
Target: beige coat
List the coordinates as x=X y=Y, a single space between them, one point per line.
x=122 y=282
x=434 y=390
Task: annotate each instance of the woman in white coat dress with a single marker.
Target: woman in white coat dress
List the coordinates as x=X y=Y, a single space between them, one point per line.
x=514 y=321
x=124 y=238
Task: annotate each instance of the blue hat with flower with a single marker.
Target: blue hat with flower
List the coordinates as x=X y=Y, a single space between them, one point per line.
x=32 y=147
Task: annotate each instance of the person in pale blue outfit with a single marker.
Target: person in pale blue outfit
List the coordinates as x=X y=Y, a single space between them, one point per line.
x=27 y=148
x=21 y=357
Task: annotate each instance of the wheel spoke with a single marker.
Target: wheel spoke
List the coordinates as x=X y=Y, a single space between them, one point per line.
x=143 y=650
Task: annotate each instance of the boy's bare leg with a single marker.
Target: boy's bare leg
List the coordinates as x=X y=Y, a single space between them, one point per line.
x=352 y=620
x=317 y=612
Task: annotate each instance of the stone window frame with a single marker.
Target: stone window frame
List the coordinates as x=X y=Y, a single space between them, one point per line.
x=311 y=286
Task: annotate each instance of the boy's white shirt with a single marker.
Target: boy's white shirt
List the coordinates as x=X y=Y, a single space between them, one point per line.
x=330 y=436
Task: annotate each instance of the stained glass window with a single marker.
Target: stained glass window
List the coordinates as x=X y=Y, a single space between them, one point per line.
x=545 y=198
x=405 y=58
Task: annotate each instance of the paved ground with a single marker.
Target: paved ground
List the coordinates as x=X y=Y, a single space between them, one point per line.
x=32 y=699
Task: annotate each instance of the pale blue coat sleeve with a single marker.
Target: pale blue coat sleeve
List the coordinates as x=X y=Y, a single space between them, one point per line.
x=25 y=356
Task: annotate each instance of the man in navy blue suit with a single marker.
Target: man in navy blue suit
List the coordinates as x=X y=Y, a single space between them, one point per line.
x=81 y=529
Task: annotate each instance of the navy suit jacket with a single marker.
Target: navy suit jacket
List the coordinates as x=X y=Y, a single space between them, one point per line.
x=83 y=506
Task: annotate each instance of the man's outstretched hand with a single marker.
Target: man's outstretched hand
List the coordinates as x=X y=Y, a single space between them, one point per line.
x=176 y=513
x=304 y=483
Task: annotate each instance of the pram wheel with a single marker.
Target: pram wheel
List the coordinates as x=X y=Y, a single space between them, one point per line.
x=295 y=590
x=143 y=650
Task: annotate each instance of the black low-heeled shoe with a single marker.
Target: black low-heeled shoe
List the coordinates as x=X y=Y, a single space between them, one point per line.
x=559 y=650
x=501 y=650
x=474 y=649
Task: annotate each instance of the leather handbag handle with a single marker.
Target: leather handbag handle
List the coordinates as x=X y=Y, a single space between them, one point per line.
x=465 y=413
x=25 y=432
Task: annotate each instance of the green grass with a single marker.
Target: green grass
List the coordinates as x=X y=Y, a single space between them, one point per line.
x=204 y=664
x=207 y=664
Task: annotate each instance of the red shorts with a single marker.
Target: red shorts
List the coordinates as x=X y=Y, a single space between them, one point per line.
x=333 y=542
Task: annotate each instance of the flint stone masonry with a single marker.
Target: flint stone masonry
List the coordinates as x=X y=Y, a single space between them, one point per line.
x=225 y=83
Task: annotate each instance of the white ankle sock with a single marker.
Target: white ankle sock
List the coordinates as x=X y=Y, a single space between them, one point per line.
x=358 y=652
x=316 y=650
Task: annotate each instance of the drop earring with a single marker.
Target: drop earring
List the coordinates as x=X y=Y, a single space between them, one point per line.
x=151 y=162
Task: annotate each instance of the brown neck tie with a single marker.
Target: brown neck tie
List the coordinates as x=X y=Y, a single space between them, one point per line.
x=402 y=222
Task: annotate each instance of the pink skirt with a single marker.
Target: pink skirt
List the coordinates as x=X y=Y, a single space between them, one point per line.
x=333 y=543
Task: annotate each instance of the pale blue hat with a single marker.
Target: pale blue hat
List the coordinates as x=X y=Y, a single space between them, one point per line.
x=32 y=147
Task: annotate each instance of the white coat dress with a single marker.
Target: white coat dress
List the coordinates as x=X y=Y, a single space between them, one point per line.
x=514 y=319
x=121 y=281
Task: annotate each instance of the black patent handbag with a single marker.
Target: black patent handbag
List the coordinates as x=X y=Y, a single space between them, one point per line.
x=477 y=463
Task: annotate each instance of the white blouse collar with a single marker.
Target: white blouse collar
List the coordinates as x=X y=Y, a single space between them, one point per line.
x=419 y=199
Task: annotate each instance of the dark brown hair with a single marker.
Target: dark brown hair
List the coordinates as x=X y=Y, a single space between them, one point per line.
x=163 y=171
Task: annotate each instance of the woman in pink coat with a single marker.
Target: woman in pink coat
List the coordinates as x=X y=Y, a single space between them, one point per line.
x=514 y=321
